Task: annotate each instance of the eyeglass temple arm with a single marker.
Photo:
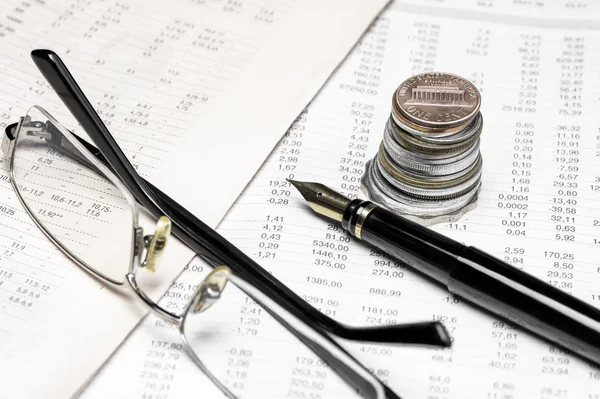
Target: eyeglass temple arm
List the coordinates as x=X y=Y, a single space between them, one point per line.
x=427 y=333
x=346 y=366
x=201 y=238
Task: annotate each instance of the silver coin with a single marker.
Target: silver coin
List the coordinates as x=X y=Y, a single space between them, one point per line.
x=418 y=145
x=418 y=175
x=475 y=128
x=425 y=212
x=429 y=165
x=423 y=181
x=457 y=190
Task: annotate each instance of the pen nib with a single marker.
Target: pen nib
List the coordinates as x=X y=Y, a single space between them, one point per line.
x=322 y=199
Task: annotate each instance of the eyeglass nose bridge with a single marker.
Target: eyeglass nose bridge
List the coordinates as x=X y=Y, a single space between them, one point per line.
x=153 y=306
x=207 y=294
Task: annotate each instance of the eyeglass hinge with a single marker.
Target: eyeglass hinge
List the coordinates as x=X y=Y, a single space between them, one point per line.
x=8 y=140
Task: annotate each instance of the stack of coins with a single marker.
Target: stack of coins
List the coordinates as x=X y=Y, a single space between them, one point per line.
x=429 y=165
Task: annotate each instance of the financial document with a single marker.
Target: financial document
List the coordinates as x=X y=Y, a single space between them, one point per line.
x=537 y=65
x=154 y=71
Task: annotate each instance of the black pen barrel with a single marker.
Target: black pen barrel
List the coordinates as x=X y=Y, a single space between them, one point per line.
x=427 y=251
x=527 y=301
x=484 y=280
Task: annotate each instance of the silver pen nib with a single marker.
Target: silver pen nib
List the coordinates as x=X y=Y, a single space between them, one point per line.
x=322 y=199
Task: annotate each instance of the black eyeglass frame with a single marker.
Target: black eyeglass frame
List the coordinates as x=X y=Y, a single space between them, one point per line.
x=209 y=291
x=206 y=242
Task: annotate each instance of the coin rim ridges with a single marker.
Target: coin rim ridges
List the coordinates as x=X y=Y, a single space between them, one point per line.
x=398 y=175
x=414 y=144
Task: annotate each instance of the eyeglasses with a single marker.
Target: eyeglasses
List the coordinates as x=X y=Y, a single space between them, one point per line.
x=87 y=212
x=70 y=189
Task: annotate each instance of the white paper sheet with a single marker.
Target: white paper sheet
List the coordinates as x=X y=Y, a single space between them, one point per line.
x=154 y=71
x=536 y=64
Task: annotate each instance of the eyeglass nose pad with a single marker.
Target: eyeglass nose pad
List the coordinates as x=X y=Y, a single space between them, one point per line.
x=156 y=243
x=211 y=288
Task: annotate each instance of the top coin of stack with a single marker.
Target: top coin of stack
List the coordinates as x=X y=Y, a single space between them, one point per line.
x=436 y=103
x=428 y=167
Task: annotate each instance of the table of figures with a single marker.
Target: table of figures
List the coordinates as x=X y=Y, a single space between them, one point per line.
x=152 y=70
x=537 y=65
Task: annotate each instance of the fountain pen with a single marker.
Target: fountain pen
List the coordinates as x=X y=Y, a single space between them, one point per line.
x=468 y=272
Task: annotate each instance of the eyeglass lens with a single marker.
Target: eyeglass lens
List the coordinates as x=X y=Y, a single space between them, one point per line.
x=246 y=349
x=74 y=203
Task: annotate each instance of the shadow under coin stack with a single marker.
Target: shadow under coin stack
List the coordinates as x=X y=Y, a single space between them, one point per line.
x=428 y=167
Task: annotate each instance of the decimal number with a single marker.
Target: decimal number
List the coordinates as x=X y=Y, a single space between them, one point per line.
x=554 y=392
x=555 y=370
x=387 y=273
x=378 y=351
x=321 y=301
x=561 y=275
x=385 y=292
x=296 y=393
x=324 y=282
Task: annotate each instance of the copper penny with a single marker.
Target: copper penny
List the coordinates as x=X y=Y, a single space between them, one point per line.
x=435 y=101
